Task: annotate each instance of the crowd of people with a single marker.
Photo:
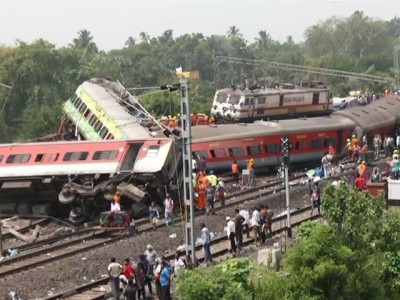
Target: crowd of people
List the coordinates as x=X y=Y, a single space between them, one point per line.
x=149 y=273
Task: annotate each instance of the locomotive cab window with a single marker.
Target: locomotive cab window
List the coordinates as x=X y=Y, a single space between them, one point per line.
x=254 y=150
x=152 y=151
x=18 y=159
x=329 y=141
x=75 y=156
x=272 y=148
x=218 y=153
x=105 y=155
x=236 y=152
x=261 y=100
x=315 y=144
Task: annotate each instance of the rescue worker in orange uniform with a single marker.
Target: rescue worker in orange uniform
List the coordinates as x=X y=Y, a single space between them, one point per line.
x=201 y=202
x=235 y=171
x=117 y=197
x=250 y=168
x=362 y=170
x=356 y=151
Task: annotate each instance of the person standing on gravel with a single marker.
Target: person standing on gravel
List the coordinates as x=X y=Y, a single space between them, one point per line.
x=169 y=210
x=206 y=241
x=239 y=221
x=114 y=270
x=151 y=256
x=153 y=214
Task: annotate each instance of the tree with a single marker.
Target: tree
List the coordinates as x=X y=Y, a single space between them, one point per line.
x=85 y=41
x=263 y=39
x=234 y=33
x=144 y=37
x=130 y=42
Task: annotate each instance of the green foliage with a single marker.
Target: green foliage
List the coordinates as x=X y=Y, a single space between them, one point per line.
x=228 y=281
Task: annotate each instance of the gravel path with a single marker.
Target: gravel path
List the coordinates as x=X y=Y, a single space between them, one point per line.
x=82 y=268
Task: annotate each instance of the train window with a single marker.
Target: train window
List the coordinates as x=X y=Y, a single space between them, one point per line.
x=221 y=97
x=236 y=152
x=1 y=158
x=201 y=154
x=251 y=101
x=218 y=153
x=234 y=99
x=74 y=156
x=82 y=108
x=315 y=144
x=272 y=148
x=78 y=102
x=254 y=150
x=329 y=141
x=152 y=151
x=299 y=146
x=18 y=158
x=98 y=126
x=247 y=101
x=110 y=136
x=87 y=113
x=261 y=100
x=46 y=157
x=92 y=120
x=105 y=155
x=103 y=132
x=74 y=98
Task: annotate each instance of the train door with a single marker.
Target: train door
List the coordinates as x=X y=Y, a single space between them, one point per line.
x=130 y=157
x=339 y=143
x=315 y=99
x=251 y=107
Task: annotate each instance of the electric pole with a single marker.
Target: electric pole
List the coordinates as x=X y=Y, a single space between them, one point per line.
x=187 y=168
x=286 y=148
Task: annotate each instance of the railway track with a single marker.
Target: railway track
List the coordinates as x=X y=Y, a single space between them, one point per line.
x=100 y=289
x=32 y=225
x=42 y=255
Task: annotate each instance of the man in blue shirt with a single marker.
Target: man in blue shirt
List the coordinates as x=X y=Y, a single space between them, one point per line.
x=165 y=282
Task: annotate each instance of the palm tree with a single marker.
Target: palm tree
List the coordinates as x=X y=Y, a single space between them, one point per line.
x=130 y=42
x=85 y=41
x=144 y=37
x=234 y=33
x=263 y=38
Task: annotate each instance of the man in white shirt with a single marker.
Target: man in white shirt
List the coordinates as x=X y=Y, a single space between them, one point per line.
x=114 y=270
x=178 y=264
x=230 y=231
x=246 y=224
x=115 y=206
x=169 y=210
x=256 y=223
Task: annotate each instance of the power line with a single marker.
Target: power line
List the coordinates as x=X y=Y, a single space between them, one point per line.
x=303 y=68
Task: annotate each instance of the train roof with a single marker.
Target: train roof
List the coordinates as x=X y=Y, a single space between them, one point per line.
x=69 y=143
x=109 y=103
x=268 y=128
x=390 y=104
x=371 y=116
x=271 y=91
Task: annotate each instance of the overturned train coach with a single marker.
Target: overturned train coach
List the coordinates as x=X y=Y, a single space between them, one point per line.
x=82 y=174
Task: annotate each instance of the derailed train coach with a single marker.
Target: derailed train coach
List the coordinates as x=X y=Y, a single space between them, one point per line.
x=55 y=177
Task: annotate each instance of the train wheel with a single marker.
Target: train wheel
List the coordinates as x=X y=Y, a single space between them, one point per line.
x=66 y=196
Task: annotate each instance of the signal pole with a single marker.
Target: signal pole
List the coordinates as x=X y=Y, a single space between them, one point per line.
x=286 y=158
x=187 y=168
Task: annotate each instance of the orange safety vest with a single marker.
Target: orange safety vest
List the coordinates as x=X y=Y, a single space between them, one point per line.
x=235 y=169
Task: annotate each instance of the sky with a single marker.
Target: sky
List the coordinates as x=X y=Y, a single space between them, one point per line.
x=112 y=22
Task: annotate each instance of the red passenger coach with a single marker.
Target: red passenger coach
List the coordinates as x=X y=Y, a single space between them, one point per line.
x=35 y=174
x=221 y=145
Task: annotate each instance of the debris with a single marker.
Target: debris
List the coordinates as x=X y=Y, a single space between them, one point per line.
x=35 y=233
x=25 y=238
x=84 y=258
